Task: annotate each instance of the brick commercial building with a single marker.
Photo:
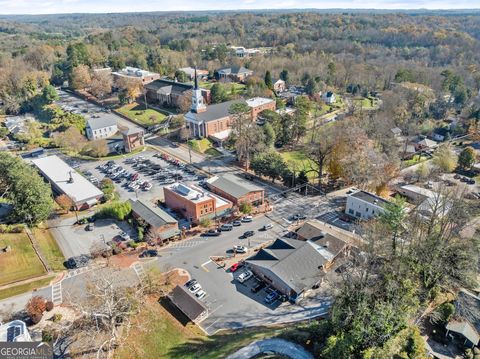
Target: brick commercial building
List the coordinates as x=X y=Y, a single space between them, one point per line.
x=160 y=224
x=143 y=76
x=194 y=203
x=237 y=189
x=133 y=139
x=259 y=104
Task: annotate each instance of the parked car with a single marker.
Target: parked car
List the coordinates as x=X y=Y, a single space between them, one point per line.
x=267 y=227
x=90 y=227
x=212 y=233
x=195 y=288
x=200 y=294
x=240 y=249
x=125 y=236
x=191 y=282
x=226 y=227
x=272 y=297
x=247 y=219
x=236 y=223
x=236 y=266
x=149 y=253
x=77 y=262
x=243 y=277
x=248 y=234
x=258 y=287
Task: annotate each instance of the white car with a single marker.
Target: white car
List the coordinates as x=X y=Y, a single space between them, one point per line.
x=267 y=227
x=125 y=236
x=195 y=288
x=200 y=294
x=240 y=249
x=244 y=276
x=247 y=219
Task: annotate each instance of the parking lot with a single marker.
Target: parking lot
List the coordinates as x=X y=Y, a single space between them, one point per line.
x=142 y=176
x=232 y=304
x=75 y=240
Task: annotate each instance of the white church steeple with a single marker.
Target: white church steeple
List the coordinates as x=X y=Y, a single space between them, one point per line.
x=198 y=103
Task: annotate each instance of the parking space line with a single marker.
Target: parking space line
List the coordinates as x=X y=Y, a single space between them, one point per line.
x=215 y=321
x=204 y=264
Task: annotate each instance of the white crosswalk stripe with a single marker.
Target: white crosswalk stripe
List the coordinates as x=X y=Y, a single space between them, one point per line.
x=57 y=297
x=139 y=270
x=186 y=244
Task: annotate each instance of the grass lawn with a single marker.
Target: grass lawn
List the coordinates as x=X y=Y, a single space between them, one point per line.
x=367 y=103
x=161 y=335
x=296 y=160
x=137 y=113
x=414 y=160
x=238 y=88
x=49 y=248
x=204 y=146
x=21 y=262
x=23 y=288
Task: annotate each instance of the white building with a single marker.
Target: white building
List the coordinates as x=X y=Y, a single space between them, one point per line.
x=329 y=97
x=14 y=331
x=364 y=205
x=103 y=127
x=65 y=180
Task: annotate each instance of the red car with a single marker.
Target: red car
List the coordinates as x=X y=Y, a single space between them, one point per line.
x=236 y=266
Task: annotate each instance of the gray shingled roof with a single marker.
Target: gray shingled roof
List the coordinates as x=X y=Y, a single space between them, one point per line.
x=167 y=87
x=101 y=122
x=233 y=185
x=370 y=198
x=467 y=307
x=234 y=70
x=185 y=301
x=297 y=263
x=214 y=112
x=151 y=214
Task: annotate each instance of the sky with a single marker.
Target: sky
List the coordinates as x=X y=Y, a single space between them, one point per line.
x=106 y=6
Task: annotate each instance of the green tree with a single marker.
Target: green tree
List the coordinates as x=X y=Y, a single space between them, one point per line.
x=268 y=80
x=49 y=94
x=445 y=158
x=302 y=177
x=269 y=134
x=218 y=93
x=269 y=164
x=312 y=87
x=466 y=159
x=284 y=75
x=108 y=189
x=245 y=208
x=181 y=76
x=23 y=187
x=394 y=216
x=205 y=222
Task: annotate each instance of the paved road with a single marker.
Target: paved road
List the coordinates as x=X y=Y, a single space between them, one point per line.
x=278 y=346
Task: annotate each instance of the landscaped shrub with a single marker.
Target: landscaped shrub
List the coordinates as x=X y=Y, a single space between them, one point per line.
x=47 y=335
x=35 y=308
x=57 y=317
x=49 y=305
x=115 y=210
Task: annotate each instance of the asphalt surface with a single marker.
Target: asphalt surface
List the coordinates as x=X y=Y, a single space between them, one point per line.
x=278 y=346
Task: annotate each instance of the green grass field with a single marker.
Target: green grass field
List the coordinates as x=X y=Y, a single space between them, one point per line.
x=137 y=113
x=238 y=88
x=49 y=249
x=204 y=146
x=26 y=287
x=21 y=262
x=366 y=103
x=414 y=160
x=296 y=160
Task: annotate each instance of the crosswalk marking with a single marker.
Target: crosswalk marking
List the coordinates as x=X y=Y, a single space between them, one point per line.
x=57 y=297
x=139 y=270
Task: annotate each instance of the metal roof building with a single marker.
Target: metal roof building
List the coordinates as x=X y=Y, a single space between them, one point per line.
x=195 y=310
x=65 y=180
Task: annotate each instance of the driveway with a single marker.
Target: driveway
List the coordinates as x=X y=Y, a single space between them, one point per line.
x=75 y=240
x=277 y=346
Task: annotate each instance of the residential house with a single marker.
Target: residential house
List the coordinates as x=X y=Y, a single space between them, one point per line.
x=101 y=128
x=294 y=267
x=397 y=132
x=279 y=86
x=193 y=309
x=236 y=189
x=14 y=331
x=133 y=138
x=426 y=201
x=134 y=73
x=65 y=180
x=425 y=144
x=17 y=125
x=465 y=323
x=190 y=72
x=234 y=73
x=195 y=204
x=364 y=205
x=161 y=225
x=243 y=52
x=441 y=134
x=329 y=97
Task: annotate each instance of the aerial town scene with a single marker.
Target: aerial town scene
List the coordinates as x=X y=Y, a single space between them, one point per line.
x=240 y=180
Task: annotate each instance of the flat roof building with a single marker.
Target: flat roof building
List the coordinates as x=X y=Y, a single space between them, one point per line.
x=236 y=189
x=364 y=205
x=195 y=204
x=65 y=180
x=14 y=331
